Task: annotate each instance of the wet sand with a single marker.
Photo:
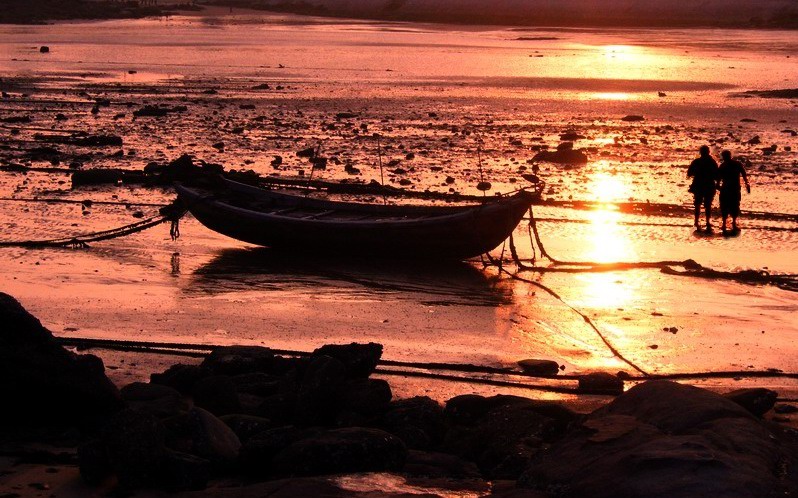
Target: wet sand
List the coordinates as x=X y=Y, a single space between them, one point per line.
x=433 y=92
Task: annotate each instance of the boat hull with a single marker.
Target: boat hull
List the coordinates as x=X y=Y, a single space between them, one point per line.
x=455 y=234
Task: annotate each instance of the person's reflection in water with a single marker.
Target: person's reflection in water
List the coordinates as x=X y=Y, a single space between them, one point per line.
x=703 y=170
x=729 y=174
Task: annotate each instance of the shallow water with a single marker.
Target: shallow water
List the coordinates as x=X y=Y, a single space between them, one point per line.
x=438 y=92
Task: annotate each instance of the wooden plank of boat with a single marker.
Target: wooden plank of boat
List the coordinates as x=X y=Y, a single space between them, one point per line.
x=324 y=227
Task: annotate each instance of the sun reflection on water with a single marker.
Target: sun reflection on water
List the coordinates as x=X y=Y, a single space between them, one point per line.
x=606 y=241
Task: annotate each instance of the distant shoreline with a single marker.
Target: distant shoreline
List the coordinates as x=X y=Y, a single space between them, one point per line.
x=399 y=11
x=23 y=13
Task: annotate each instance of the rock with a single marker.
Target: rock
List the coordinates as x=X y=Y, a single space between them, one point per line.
x=155 y=399
x=431 y=464
x=94 y=464
x=151 y=111
x=279 y=408
x=502 y=433
x=360 y=360
x=338 y=451
x=663 y=439
x=217 y=394
x=16 y=119
x=369 y=397
x=39 y=378
x=565 y=154
x=207 y=437
x=257 y=383
x=96 y=177
x=186 y=472
x=181 y=169
x=180 y=377
x=418 y=421
x=571 y=136
x=234 y=360
x=246 y=426
x=316 y=400
x=600 y=383
x=134 y=444
x=756 y=400
x=466 y=409
x=44 y=49
x=257 y=453
x=783 y=409
x=544 y=368
x=309 y=152
x=775 y=94
x=631 y=118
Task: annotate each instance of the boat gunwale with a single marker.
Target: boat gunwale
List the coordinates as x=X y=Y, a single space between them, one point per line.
x=312 y=202
x=459 y=213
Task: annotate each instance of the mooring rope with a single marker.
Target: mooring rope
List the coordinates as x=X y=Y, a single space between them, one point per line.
x=172 y=213
x=586 y=318
x=691 y=267
x=422 y=369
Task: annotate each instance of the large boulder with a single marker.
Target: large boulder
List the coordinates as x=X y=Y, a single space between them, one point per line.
x=317 y=401
x=339 y=451
x=132 y=445
x=360 y=360
x=502 y=434
x=159 y=400
x=663 y=439
x=368 y=397
x=200 y=433
x=42 y=383
x=259 y=450
x=417 y=421
x=217 y=394
x=246 y=426
x=180 y=377
x=234 y=360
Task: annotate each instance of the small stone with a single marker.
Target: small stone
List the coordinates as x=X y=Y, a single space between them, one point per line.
x=600 y=383
x=783 y=409
x=546 y=368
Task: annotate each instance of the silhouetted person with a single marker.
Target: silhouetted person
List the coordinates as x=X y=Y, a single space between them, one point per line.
x=729 y=174
x=703 y=170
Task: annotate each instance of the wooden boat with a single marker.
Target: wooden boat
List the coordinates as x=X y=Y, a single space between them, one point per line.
x=300 y=223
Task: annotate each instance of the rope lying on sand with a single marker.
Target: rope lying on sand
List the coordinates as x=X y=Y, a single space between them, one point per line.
x=171 y=213
x=691 y=267
x=49 y=200
x=430 y=370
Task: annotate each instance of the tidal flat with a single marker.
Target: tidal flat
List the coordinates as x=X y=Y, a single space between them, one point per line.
x=243 y=89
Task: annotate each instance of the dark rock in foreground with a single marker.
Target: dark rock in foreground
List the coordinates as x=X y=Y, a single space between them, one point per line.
x=545 y=368
x=348 y=450
x=42 y=383
x=322 y=415
x=360 y=360
x=758 y=401
x=663 y=439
